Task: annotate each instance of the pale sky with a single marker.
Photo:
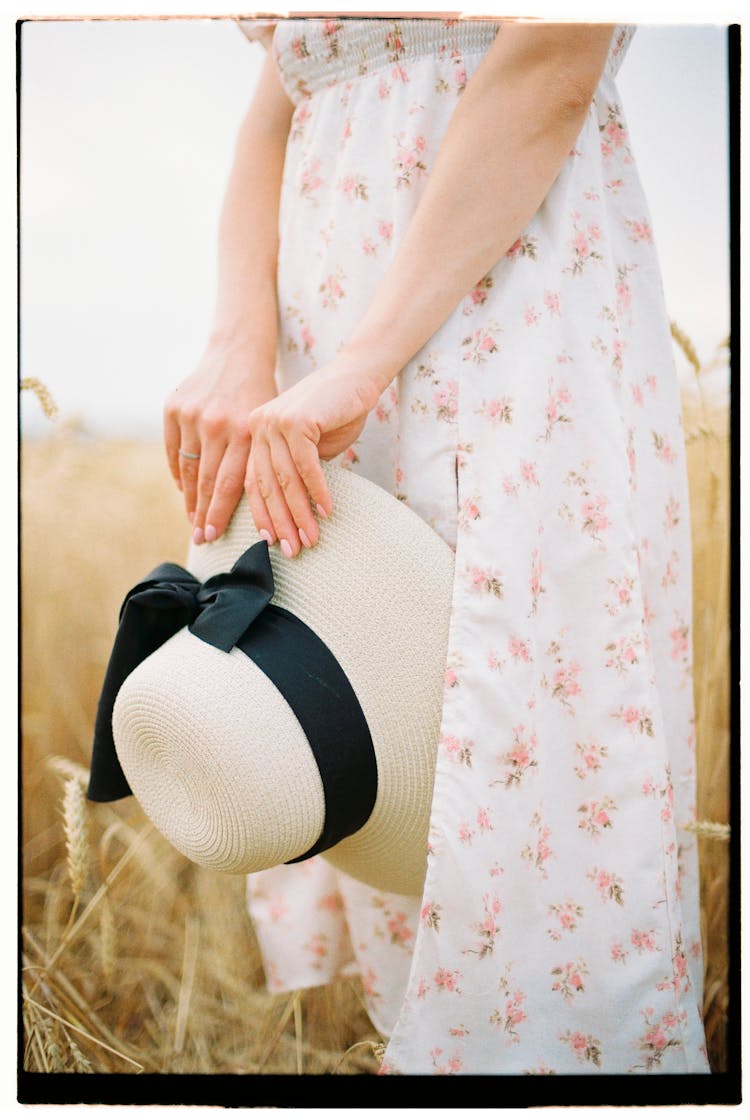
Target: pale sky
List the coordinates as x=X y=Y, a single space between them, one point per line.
x=127 y=130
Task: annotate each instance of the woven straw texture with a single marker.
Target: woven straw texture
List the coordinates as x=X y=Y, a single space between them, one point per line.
x=215 y=755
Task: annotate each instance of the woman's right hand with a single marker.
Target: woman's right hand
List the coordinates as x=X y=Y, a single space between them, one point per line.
x=206 y=416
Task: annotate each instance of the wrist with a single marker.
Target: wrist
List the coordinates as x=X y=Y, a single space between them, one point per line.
x=247 y=321
x=372 y=358
x=398 y=322
x=243 y=343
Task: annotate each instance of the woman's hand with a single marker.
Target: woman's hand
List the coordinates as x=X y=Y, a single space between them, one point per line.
x=317 y=418
x=206 y=416
x=206 y=433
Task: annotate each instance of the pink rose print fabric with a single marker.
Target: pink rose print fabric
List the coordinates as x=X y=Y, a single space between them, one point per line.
x=538 y=431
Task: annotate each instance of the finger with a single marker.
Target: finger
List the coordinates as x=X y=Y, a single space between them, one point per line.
x=258 y=508
x=228 y=489
x=296 y=497
x=172 y=441
x=189 y=468
x=283 y=524
x=307 y=459
x=295 y=462
x=209 y=465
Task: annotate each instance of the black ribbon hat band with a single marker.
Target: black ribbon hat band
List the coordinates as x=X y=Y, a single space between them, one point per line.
x=235 y=609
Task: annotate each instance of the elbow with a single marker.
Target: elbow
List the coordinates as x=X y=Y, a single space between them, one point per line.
x=562 y=103
x=572 y=94
x=555 y=69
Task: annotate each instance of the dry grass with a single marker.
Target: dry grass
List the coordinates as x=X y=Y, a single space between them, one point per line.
x=135 y=959
x=706 y=423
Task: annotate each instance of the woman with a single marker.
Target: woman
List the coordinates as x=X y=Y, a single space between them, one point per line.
x=436 y=259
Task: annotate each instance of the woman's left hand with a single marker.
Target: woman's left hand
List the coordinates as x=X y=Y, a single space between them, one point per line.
x=317 y=418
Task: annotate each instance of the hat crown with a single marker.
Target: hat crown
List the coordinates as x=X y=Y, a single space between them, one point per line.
x=376 y=590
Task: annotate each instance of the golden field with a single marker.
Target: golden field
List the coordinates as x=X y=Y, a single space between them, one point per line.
x=135 y=959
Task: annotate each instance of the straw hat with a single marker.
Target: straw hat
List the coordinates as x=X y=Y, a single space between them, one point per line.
x=212 y=749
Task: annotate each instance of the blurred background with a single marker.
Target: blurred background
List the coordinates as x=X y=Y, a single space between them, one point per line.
x=133 y=959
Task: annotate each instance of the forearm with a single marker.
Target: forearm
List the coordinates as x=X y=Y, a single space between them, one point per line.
x=205 y=417
x=245 y=313
x=504 y=146
x=514 y=125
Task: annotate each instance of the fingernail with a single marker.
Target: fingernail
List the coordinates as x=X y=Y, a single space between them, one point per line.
x=304 y=538
x=321 y=512
x=286 y=548
x=211 y=533
x=265 y=535
x=197 y=536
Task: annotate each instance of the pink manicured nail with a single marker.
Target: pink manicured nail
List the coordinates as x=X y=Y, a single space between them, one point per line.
x=304 y=538
x=211 y=533
x=322 y=513
x=286 y=548
x=265 y=535
x=197 y=536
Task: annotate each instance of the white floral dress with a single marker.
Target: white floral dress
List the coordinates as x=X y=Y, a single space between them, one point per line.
x=539 y=432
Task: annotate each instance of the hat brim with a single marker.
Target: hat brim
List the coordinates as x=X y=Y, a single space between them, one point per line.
x=213 y=752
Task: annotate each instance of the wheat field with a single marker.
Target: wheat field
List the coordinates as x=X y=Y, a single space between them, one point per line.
x=135 y=960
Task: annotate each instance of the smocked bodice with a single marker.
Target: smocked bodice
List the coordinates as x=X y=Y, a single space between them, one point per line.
x=314 y=54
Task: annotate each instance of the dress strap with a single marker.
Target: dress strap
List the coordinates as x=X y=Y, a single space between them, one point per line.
x=621 y=39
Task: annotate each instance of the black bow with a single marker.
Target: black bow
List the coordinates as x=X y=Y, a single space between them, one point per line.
x=218 y=612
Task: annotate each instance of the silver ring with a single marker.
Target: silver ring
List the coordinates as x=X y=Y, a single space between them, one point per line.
x=189 y=454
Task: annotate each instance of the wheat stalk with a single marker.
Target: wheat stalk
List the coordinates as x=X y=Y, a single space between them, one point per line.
x=81 y=1063
x=68 y=769
x=43 y=395
x=79 y=1030
x=298 y=1031
x=74 y=929
x=189 y=961
x=709 y=830
x=67 y=993
x=107 y=940
x=76 y=835
x=378 y=1049
x=50 y=1049
x=687 y=347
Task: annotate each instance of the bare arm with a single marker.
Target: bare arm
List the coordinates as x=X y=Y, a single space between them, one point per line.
x=512 y=128
x=506 y=142
x=208 y=412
